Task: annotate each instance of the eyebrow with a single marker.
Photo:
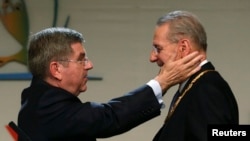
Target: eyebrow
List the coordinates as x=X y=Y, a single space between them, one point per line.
x=157 y=46
x=82 y=55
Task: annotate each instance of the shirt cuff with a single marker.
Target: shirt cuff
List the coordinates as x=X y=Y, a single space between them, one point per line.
x=157 y=90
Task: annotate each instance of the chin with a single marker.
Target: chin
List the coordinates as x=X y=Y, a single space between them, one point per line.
x=84 y=88
x=160 y=64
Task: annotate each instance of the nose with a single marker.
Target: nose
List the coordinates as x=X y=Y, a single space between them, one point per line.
x=153 y=56
x=89 y=65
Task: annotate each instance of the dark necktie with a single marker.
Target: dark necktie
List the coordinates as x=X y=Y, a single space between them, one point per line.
x=177 y=94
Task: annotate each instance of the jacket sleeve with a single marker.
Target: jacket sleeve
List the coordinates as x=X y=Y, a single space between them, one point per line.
x=105 y=119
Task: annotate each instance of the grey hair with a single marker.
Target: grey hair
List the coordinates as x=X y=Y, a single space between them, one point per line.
x=184 y=24
x=48 y=45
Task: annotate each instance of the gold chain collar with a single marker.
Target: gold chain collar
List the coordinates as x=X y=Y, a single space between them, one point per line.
x=172 y=109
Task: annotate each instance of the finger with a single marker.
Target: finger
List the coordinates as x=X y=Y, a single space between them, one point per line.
x=193 y=66
x=190 y=57
x=195 y=61
x=197 y=68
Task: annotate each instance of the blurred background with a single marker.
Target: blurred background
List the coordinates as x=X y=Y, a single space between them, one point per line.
x=118 y=37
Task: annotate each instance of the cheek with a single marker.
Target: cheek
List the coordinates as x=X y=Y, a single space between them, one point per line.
x=165 y=57
x=75 y=76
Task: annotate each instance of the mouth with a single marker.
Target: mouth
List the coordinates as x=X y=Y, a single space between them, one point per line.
x=85 y=76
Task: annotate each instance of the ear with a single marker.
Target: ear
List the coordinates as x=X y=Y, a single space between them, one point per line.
x=55 y=70
x=184 y=47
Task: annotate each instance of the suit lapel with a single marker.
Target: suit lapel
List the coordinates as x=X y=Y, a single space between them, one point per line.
x=207 y=66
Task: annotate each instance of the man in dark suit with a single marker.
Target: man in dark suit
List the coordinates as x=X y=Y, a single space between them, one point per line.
x=51 y=110
x=204 y=98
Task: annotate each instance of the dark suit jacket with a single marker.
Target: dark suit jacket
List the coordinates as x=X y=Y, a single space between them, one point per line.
x=52 y=114
x=209 y=101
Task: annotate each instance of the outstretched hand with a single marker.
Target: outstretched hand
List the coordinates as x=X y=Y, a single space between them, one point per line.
x=174 y=72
